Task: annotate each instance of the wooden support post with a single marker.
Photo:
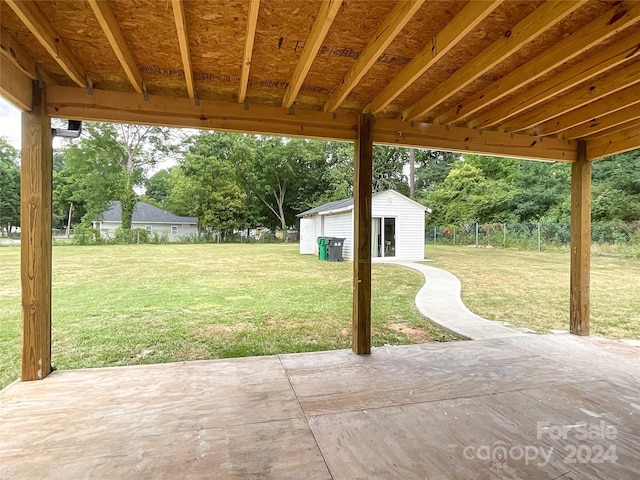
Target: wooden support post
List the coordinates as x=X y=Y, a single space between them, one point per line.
x=362 y=185
x=580 y=242
x=35 y=238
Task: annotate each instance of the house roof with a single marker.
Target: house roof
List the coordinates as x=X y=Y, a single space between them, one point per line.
x=145 y=213
x=347 y=204
x=504 y=77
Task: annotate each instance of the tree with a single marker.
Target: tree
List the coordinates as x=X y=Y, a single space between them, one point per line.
x=388 y=169
x=158 y=186
x=9 y=187
x=432 y=168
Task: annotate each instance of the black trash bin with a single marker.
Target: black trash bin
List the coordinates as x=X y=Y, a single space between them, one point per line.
x=334 y=249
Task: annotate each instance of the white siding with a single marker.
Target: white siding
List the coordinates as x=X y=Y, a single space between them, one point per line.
x=409 y=223
x=341 y=225
x=107 y=229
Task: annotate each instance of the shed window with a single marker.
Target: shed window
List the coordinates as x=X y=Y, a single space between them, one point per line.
x=174 y=230
x=148 y=228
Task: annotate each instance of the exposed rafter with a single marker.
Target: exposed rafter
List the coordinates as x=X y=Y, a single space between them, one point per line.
x=594 y=33
x=250 y=35
x=39 y=26
x=324 y=19
x=589 y=93
x=616 y=129
x=618 y=142
x=612 y=103
x=13 y=52
x=387 y=31
x=543 y=18
x=608 y=58
x=15 y=86
x=463 y=23
x=183 y=39
x=604 y=122
x=111 y=28
x=68 y=102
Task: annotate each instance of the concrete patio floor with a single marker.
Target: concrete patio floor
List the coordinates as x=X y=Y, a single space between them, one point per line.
x=522 y=407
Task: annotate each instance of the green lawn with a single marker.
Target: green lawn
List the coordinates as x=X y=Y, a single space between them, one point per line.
x=133 y=304
x=531 y=289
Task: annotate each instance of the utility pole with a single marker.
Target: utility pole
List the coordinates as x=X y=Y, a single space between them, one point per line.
x=412 y=173
x=69 y=220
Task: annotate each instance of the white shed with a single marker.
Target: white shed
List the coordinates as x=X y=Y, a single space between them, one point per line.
x=397 y=229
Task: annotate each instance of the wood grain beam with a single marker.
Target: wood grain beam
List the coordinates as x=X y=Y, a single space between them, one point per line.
x=619 y=142
x=623 y=99
x=13 y=51
x=391 y=26
x=183 y=40
x=71 y=102
x=249 y=37
x=603 y=123
x=579 y=304
x=539 y=21
x=540 y=120
x=326 y=15
x=362 y=200
x=35 y=238
x=450 y=36
x=111 y=29
x=598 y=31
x=615 y=129
x=608 y=58
x=15 y=86
x=39 y=26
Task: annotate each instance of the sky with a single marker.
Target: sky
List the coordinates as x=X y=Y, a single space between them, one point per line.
x=10 y=123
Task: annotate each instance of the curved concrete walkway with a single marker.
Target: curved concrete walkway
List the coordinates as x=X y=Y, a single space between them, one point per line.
x=439 y=300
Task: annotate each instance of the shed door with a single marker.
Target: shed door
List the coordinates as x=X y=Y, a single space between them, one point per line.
x=307 y=236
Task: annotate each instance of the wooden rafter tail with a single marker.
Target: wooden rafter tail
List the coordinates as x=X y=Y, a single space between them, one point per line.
x=598 y=31
x=326 y=15
x=386 y=33
x=542 y=117
x=111 y=28
x=538 y=22
x=463 y=23
x=250 y=35
x=183 y=40
x=619 y=142
x=39 y=26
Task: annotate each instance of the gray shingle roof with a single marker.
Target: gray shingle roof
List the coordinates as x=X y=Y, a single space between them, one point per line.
x=145 y=213
x=337 y=205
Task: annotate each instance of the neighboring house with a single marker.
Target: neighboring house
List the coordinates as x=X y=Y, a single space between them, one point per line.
x=397 y=230
x=149 y=218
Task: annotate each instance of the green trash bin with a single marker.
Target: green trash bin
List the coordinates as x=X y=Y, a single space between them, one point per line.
x=322 y=248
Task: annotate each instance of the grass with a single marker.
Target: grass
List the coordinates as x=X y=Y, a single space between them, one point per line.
x=137 y=304
x=531 y=289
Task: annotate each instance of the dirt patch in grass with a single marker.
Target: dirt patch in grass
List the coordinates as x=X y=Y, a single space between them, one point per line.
x=417 y=335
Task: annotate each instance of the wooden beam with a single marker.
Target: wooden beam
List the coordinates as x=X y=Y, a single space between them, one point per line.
x=362 y=199
x=603 y=122
x=40 y=27
x=111 y=28
x=15 y=86
x=249 y=37
x=542 y=19
x=458 y=28
x=612 y=103
x=616 y=54
x=602 y=28
x=386 y=33
x=324 y=19
x=35 y=238
x=610 y=131
x=14 y=52
x=183 y=40
x=540 y=120
x=462 y=139
x=579 y=304
x=70 y=102
x=618 y=142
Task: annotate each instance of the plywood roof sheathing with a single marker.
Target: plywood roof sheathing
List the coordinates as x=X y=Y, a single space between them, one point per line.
x=252 y=20
x=32 y=17
x=386 y=33
x=327 y=14
x=604 y=27
x=543 y=18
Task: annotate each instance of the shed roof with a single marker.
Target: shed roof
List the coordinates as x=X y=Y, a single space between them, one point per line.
x=347 y=204
x=522 y=78
x=145 y=213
